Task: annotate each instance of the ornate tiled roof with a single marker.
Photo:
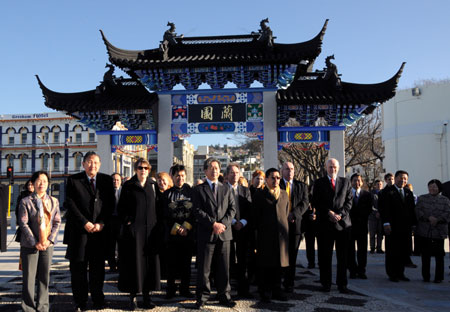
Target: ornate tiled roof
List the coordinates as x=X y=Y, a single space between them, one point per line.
x=317 y=89
x=116 y=94
x=242 y=50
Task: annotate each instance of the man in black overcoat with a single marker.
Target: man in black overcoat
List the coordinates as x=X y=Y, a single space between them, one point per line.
x=332 y=198
x=359 y=215
x=89 y=202
x=398 y=217
x=242 y=228
x=214 y=209
x=298 y=205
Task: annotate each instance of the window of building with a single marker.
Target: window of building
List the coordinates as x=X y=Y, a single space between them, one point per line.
x=77 y=160
x=45 y=162
x=56 y=161
x=91 y=137
x=56 y=137
x=11 y=140
x=23 y=137
x=10 y=160
x=23 y=163
x=77 y=137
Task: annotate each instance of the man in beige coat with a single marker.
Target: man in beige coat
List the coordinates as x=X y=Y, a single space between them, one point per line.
x=271 y=210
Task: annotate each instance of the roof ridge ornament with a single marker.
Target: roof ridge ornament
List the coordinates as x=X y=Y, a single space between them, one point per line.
x=331 y=72
x=108 y=79
x=266 y=35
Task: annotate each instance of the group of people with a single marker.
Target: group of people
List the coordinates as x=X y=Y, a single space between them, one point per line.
x=250 y=233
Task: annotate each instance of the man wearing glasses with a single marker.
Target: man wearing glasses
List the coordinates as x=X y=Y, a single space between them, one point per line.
x=89 y=202
x=271 y=209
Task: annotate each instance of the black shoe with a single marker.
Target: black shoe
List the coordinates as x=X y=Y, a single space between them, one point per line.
x=186 y=294
x=289 y=289
x=264 y=298
x=426 y=280
x=280 y=296
x=99 y=305
x=80 y=308
x=404 y=278
x=379 y=251
x=411 y=265
x=343 y=289
x=245 y=295
x=437 y=281
x=362 y=276
x=325 y=289
x=311 y=266
x=199 y=305
x=169 y=295
x=372 y=251
x=393 y=279
x=227 y=303
x=133 y=304
x=148 y=303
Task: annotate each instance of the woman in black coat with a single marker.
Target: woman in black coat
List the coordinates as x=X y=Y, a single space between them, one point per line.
x=141 y=235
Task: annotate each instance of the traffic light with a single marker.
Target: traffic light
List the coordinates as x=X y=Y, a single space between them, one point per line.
x=10 y=174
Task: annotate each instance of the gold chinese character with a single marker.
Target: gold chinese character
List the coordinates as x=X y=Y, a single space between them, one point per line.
x=227 y=112
x=207 y=113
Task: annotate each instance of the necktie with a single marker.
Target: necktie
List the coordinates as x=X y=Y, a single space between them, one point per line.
x=288 y=191
x=214 y=190
x=401 y=194
x=333 y=184
x=92 y=185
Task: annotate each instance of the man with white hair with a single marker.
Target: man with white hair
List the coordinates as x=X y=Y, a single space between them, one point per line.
x=332 y=198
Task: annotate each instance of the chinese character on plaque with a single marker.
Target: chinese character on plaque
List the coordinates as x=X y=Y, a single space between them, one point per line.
x=227 y=112
x=207 y=113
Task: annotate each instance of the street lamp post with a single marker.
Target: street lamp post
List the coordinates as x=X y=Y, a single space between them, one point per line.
x=49 y=163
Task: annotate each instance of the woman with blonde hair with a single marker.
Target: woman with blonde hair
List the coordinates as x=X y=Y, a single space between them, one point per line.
x=164 y=181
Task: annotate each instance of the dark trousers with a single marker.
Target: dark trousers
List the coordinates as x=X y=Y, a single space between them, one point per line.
x=179 y=256
x=326 y=240
x=35 y=267
x=310 y=241
x=376 y=233
x=220 y=250
x=269 y=280
x=397 y=254
x=240 y=255
x=113 y=230
x=294 y=243
x=357 y=260
x=79 y=278
x=432 y=247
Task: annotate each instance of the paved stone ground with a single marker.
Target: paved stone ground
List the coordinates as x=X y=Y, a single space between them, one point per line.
x=374 y=294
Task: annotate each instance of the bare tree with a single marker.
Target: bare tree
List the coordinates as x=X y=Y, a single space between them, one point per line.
x=308 y=160
x=364 y=150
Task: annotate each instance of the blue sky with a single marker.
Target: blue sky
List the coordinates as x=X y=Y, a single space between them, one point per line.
x=60 y=40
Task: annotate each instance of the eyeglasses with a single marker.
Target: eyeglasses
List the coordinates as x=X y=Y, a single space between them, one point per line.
x=276 y=178
x=143 y=168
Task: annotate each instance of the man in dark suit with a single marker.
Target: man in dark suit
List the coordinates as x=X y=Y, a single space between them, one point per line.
x=214 y=209
x=332 y=198
x=398 y=217
x=359 y=215
x=114 y=225
x=241 y=227
x=89 y=202
x=298 y=205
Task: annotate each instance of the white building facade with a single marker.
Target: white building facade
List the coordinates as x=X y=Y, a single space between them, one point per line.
x=53 y=142
x=415 y=134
